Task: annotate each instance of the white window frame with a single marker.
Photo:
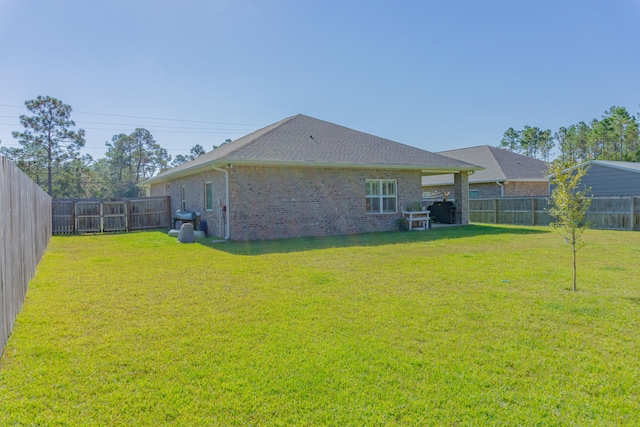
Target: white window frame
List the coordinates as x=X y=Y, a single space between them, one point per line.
x=208 y=197
x=378 y=194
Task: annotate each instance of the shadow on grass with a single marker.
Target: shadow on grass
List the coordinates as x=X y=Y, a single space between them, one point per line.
x=262 y=247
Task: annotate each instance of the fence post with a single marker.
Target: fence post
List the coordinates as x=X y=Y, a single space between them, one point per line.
x=495 y=211
x=127 y=217
x=75 y=218
x=74 y=229
x=533 y=211
x=632 y=225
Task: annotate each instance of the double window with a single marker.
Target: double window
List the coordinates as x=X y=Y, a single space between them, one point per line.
x=381 y=195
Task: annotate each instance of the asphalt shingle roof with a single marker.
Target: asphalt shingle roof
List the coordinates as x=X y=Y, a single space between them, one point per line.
x=499 y=164
x=303 y=140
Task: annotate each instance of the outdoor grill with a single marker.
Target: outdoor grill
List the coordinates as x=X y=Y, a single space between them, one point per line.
x=443 y=212
x=185 y=216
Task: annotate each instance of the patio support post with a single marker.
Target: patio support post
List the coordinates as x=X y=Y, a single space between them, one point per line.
x=461 y=191
x=227 y=220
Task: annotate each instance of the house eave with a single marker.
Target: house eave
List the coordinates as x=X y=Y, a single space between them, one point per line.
x=220 y=163
x=298 y=163
x=169 y=175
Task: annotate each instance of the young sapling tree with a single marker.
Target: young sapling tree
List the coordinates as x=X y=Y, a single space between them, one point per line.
x=569 y=204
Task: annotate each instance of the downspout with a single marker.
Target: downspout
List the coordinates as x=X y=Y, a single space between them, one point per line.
x=501 y=187
x=226 y=200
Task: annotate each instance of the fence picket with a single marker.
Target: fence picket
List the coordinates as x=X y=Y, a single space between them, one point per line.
x=96 y=216
x=25 y=230
x=611 y=213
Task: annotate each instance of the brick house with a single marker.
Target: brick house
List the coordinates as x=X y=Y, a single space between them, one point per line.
x=505 y=174
x=303 y=177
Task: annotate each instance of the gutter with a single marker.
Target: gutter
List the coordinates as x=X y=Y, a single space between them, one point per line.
x=436 y=169
x=431 y=170
x=501 y=187
x=226 y=200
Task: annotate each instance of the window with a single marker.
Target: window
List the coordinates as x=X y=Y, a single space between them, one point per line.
x=208 y=196
x=183 y=198
x=381 y=195
x=474 y=194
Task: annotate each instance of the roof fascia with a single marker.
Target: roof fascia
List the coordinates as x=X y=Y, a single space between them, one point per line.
x=436 y=170
x=432 y=170
x=178 y=174
x=614 y=166
x=586 y=164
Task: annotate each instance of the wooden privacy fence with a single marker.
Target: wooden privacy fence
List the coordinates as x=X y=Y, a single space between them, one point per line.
x=71 y=216
x=25 y=231
x=613 y=213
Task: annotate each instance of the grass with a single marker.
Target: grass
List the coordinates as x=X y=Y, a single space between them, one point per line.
x=470 y=325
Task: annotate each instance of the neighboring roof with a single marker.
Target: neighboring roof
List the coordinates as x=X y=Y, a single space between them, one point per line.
x=304 y=141
x=500 y=165
x=609 y=177
x=627 y=166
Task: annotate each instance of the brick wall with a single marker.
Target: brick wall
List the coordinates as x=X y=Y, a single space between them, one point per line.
x=493 y=190
x=512 y=189
x=195 y=197
x=484 y=190
x=282 y=202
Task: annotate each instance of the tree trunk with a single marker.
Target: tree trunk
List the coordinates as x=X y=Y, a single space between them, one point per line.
x=50 y=184
x=49 y=167
x=574 y=267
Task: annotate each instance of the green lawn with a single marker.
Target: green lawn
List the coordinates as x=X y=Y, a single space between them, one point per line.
x=461 y=326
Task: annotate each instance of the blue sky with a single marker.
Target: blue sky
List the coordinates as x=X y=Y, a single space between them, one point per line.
x=437 y=75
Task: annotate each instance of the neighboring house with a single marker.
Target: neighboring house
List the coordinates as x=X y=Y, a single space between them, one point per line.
x=304 y=177
x=506 y=174
x=612 y=178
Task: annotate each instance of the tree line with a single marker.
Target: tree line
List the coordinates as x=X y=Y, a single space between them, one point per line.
x=613 y=137
x=49 y=154
x=49 y=151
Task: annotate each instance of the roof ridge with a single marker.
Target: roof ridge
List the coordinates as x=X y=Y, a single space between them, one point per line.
x=463 y=148
x=496 y=160
x=214 y=154
x=486 y=148
x=378 y=137
x=252 y=137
